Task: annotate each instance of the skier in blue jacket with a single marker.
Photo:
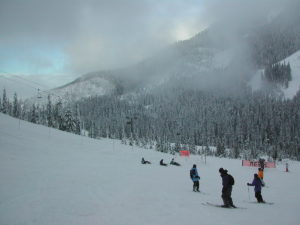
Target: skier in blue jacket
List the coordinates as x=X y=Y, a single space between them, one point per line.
x=257 y=188
x=195 y=178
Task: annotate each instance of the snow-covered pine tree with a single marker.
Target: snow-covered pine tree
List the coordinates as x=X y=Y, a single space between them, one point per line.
x=49 y=113
x=16 y=106
x=69 y=124
x=4 y=107
x=33 y=114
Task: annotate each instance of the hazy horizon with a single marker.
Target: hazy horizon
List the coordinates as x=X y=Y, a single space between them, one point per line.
x=49 y=40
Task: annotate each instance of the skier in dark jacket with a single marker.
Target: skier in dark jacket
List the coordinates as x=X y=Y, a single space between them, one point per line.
x=227 y=189
x=257 y=188
x=261 y=162
x=195 y=178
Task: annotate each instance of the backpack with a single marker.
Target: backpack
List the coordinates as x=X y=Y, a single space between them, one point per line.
x=192 y=173
x=231 y=180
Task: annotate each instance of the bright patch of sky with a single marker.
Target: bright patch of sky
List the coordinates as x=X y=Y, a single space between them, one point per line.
x=34 y=60
x=76 y=37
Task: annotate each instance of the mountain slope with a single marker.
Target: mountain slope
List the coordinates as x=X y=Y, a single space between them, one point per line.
x=293 y=86
x=53 y=177
x=218 y=58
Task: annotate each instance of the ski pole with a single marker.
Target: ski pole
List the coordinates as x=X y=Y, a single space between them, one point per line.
x=248 y=194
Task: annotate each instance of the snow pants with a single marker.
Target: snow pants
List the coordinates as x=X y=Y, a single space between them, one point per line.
x=196 y=186
x=258 y=196
x=226 y=196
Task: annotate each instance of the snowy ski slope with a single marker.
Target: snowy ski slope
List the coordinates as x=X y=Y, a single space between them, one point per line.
x=49 y=177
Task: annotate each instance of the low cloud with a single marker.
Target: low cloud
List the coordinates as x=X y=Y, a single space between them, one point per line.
x=90 y=35
x=94 y=35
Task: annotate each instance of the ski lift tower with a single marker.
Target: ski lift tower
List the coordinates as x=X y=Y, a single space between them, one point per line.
x=130 y=120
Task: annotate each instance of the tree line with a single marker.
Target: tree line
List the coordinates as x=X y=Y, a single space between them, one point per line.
x=278 y=73
x=243 y=126
x=52 y=115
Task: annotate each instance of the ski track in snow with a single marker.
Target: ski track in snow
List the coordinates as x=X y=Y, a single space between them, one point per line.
x=49 y=177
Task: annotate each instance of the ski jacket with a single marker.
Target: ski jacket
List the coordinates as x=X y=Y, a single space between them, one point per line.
x=257 y=184
x=194 y=174
x=225 y=180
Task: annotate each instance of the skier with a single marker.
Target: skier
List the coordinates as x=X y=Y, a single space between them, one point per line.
x=174 y=163
x=260 y=173
x=257 y=188
x=195 y=178
x=162 y=163
x=227 y=182
x=262 y=163
x=145 y=161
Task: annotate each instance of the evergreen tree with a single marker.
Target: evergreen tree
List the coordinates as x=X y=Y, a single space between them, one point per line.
x=49 y=113
x=4 y=102
x=69 y=124
x=16 y=108
x=220 y=149
x=33 y=114
x=77 y=120
x=57 y=116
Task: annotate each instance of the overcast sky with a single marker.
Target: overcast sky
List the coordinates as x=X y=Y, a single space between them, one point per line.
x=79 y=36
x=73 y=37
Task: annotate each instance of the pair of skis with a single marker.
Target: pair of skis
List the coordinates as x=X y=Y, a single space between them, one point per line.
x=221 y=206
x=237 y=207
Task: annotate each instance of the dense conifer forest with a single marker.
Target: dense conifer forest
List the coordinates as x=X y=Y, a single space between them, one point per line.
x=244 y=126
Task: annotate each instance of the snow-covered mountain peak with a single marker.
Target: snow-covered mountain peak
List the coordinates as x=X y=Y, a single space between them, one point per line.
x=86 y=87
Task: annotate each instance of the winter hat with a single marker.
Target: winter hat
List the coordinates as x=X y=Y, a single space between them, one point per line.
x=255 y=175
x=221 y=170
x=194 y=166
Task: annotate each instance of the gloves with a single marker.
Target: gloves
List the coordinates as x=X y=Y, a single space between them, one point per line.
x=248 y=184
x=198 y=177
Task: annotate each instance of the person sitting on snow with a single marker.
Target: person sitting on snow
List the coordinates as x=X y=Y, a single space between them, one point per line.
x=145 y=161
x=174 y=163
x=162 y=163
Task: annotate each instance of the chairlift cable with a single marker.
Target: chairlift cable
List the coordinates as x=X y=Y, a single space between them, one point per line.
x=29 y=81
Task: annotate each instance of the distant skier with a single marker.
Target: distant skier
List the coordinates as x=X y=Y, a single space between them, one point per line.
x=174 y=163
x=145 y=161
x=161 y=162
x=227 y=182
x=261 y=162
x=195 y=178
x=257 y=188
x=260 y=173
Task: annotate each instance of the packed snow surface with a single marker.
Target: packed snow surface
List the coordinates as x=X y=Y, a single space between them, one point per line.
x=49 y=177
